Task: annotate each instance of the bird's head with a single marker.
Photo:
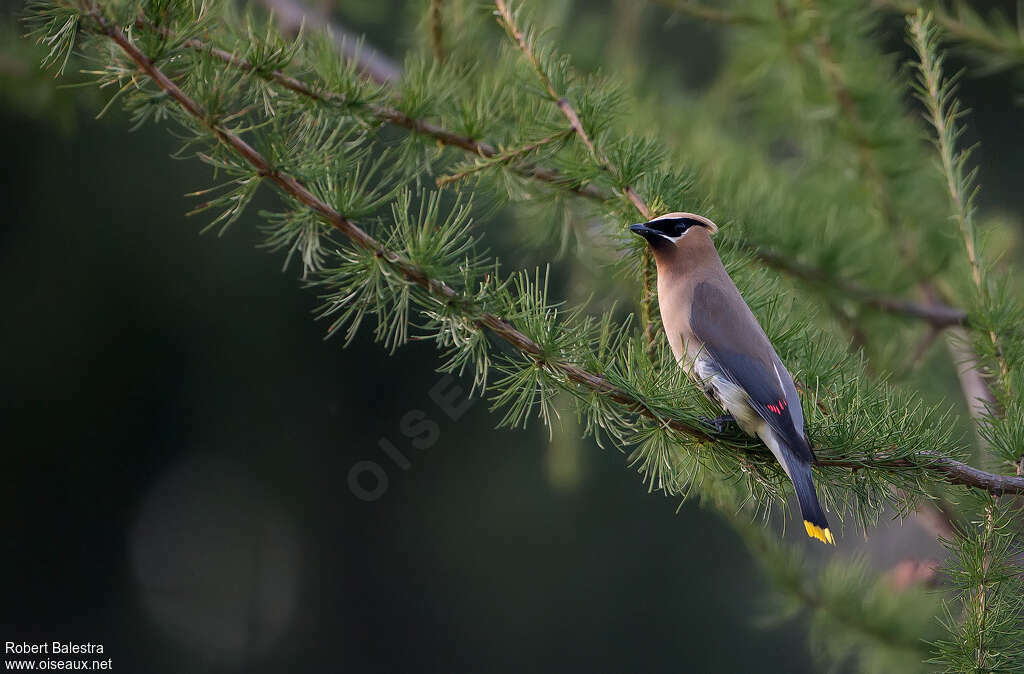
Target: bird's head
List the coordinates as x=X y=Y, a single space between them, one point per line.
x=670 y=230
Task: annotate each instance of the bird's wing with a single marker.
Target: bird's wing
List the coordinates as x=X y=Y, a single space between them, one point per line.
x=739 y=349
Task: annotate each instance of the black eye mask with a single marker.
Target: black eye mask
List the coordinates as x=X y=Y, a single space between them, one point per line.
x=675 y=227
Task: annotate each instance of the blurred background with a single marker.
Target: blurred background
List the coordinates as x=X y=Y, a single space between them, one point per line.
x=178 y=435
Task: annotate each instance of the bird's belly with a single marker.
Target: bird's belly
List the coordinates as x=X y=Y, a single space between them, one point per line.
x=731 y=397
x=736 y=402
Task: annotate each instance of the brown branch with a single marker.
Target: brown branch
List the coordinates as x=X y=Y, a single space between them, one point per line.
x=502 y=157
x=954 y=472
x=508 y=22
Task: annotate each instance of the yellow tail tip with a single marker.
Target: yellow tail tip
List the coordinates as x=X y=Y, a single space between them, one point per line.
x=821 y=533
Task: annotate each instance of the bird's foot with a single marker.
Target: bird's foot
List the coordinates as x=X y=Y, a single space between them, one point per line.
x=718 y=423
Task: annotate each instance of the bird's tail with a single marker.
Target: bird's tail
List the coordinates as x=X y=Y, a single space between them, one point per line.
x=814 y=517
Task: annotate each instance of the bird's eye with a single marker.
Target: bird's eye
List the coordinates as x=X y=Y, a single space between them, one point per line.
x=680 y=228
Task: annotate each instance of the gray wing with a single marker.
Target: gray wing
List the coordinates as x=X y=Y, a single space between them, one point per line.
x=739 y=348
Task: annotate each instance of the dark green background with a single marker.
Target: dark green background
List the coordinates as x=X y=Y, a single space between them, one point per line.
x=177 y=436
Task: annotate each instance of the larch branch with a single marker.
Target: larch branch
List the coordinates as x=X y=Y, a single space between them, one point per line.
x=934 y=313
x=952 y=471
x=934 y=92
x=508 y=22
x=398 y=118
x=973 y=386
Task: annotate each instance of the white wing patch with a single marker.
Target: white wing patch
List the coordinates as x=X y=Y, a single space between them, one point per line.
x=778 y=376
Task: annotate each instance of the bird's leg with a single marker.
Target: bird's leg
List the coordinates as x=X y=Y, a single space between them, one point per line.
x=718 y=423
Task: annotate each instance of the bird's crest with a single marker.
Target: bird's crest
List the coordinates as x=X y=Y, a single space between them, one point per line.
x=682 y=216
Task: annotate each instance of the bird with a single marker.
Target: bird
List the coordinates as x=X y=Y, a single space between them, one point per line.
x=716 y=338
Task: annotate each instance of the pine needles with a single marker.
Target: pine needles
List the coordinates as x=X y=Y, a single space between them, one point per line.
x=386 y=194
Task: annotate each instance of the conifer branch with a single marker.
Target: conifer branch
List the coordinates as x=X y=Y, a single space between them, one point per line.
x=949 y=470
x=943 y=114
x=982 y=568
x=393 y=116
x=503 y=157
x=866 y=152
x=933 y=312
x=295 y=189
x=985 y=578
x=1001 y=42
x=973 y=387
x=508 y=21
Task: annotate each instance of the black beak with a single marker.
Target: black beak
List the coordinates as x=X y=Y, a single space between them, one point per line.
x=641 y=229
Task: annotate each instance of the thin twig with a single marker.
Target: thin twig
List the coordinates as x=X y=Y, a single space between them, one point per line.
x=954 y=472
x=952 y=165
x=503 y=157
x=508 y=22
x=981 y=653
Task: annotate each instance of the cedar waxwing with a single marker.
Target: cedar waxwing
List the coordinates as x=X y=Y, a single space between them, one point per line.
x=714 y=335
